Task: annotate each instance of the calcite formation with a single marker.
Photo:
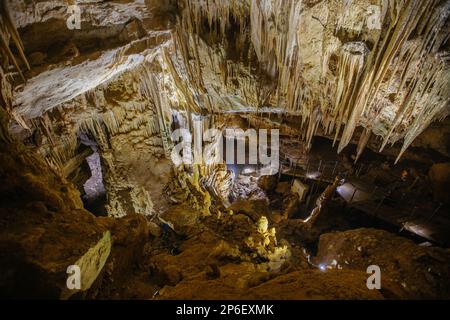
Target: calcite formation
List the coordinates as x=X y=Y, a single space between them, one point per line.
x=117 y=82
x=306 y=46
x=336 y=66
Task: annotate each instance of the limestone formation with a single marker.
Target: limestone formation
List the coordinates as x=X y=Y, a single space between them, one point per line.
x=101 y=99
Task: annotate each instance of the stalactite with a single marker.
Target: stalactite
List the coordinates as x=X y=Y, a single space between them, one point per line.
x=350 y=69
x=4 y=11
x=405 y=21
x=433 y=103
x=96 y=128
x=59 y=152
x=196 y=70
x=427 y=71
x=5 y=47
x=364 y=79
x=363 y=140
x=7 y=31
x=216 y=12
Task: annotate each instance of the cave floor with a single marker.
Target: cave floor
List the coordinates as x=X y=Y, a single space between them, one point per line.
x=234 y=257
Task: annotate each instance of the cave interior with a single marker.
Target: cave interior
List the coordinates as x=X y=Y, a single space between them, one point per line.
x=224 y=149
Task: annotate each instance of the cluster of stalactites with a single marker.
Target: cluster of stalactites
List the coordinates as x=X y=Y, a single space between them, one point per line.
x=103 y=120
x=394 y=90
x=415 y=71
x=100 y=126
x=217 y=13
x=8 y=35
x=418 y=69
x=9 y=32
x=206 y=82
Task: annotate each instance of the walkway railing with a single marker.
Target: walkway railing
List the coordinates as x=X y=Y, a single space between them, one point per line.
x=378 y=201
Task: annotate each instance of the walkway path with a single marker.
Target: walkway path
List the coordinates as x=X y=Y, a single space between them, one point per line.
x=426 y=222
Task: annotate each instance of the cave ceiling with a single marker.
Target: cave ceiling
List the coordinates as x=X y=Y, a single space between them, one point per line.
x=354 y=71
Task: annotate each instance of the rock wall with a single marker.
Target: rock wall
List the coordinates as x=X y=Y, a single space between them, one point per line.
x=422 y=271
x=364 y=72
x=44 y=228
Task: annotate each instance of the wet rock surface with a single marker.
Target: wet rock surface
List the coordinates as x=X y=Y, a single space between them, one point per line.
x=423 y=272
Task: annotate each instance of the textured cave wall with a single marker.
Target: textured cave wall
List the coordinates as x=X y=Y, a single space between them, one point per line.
x=317 y=63
x=44 y=229
x=95 y=91
x=104 y=25
x=43 y=226
x=117 y=98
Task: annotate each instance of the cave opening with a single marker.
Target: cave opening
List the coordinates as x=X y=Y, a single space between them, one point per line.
x=95 y=195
